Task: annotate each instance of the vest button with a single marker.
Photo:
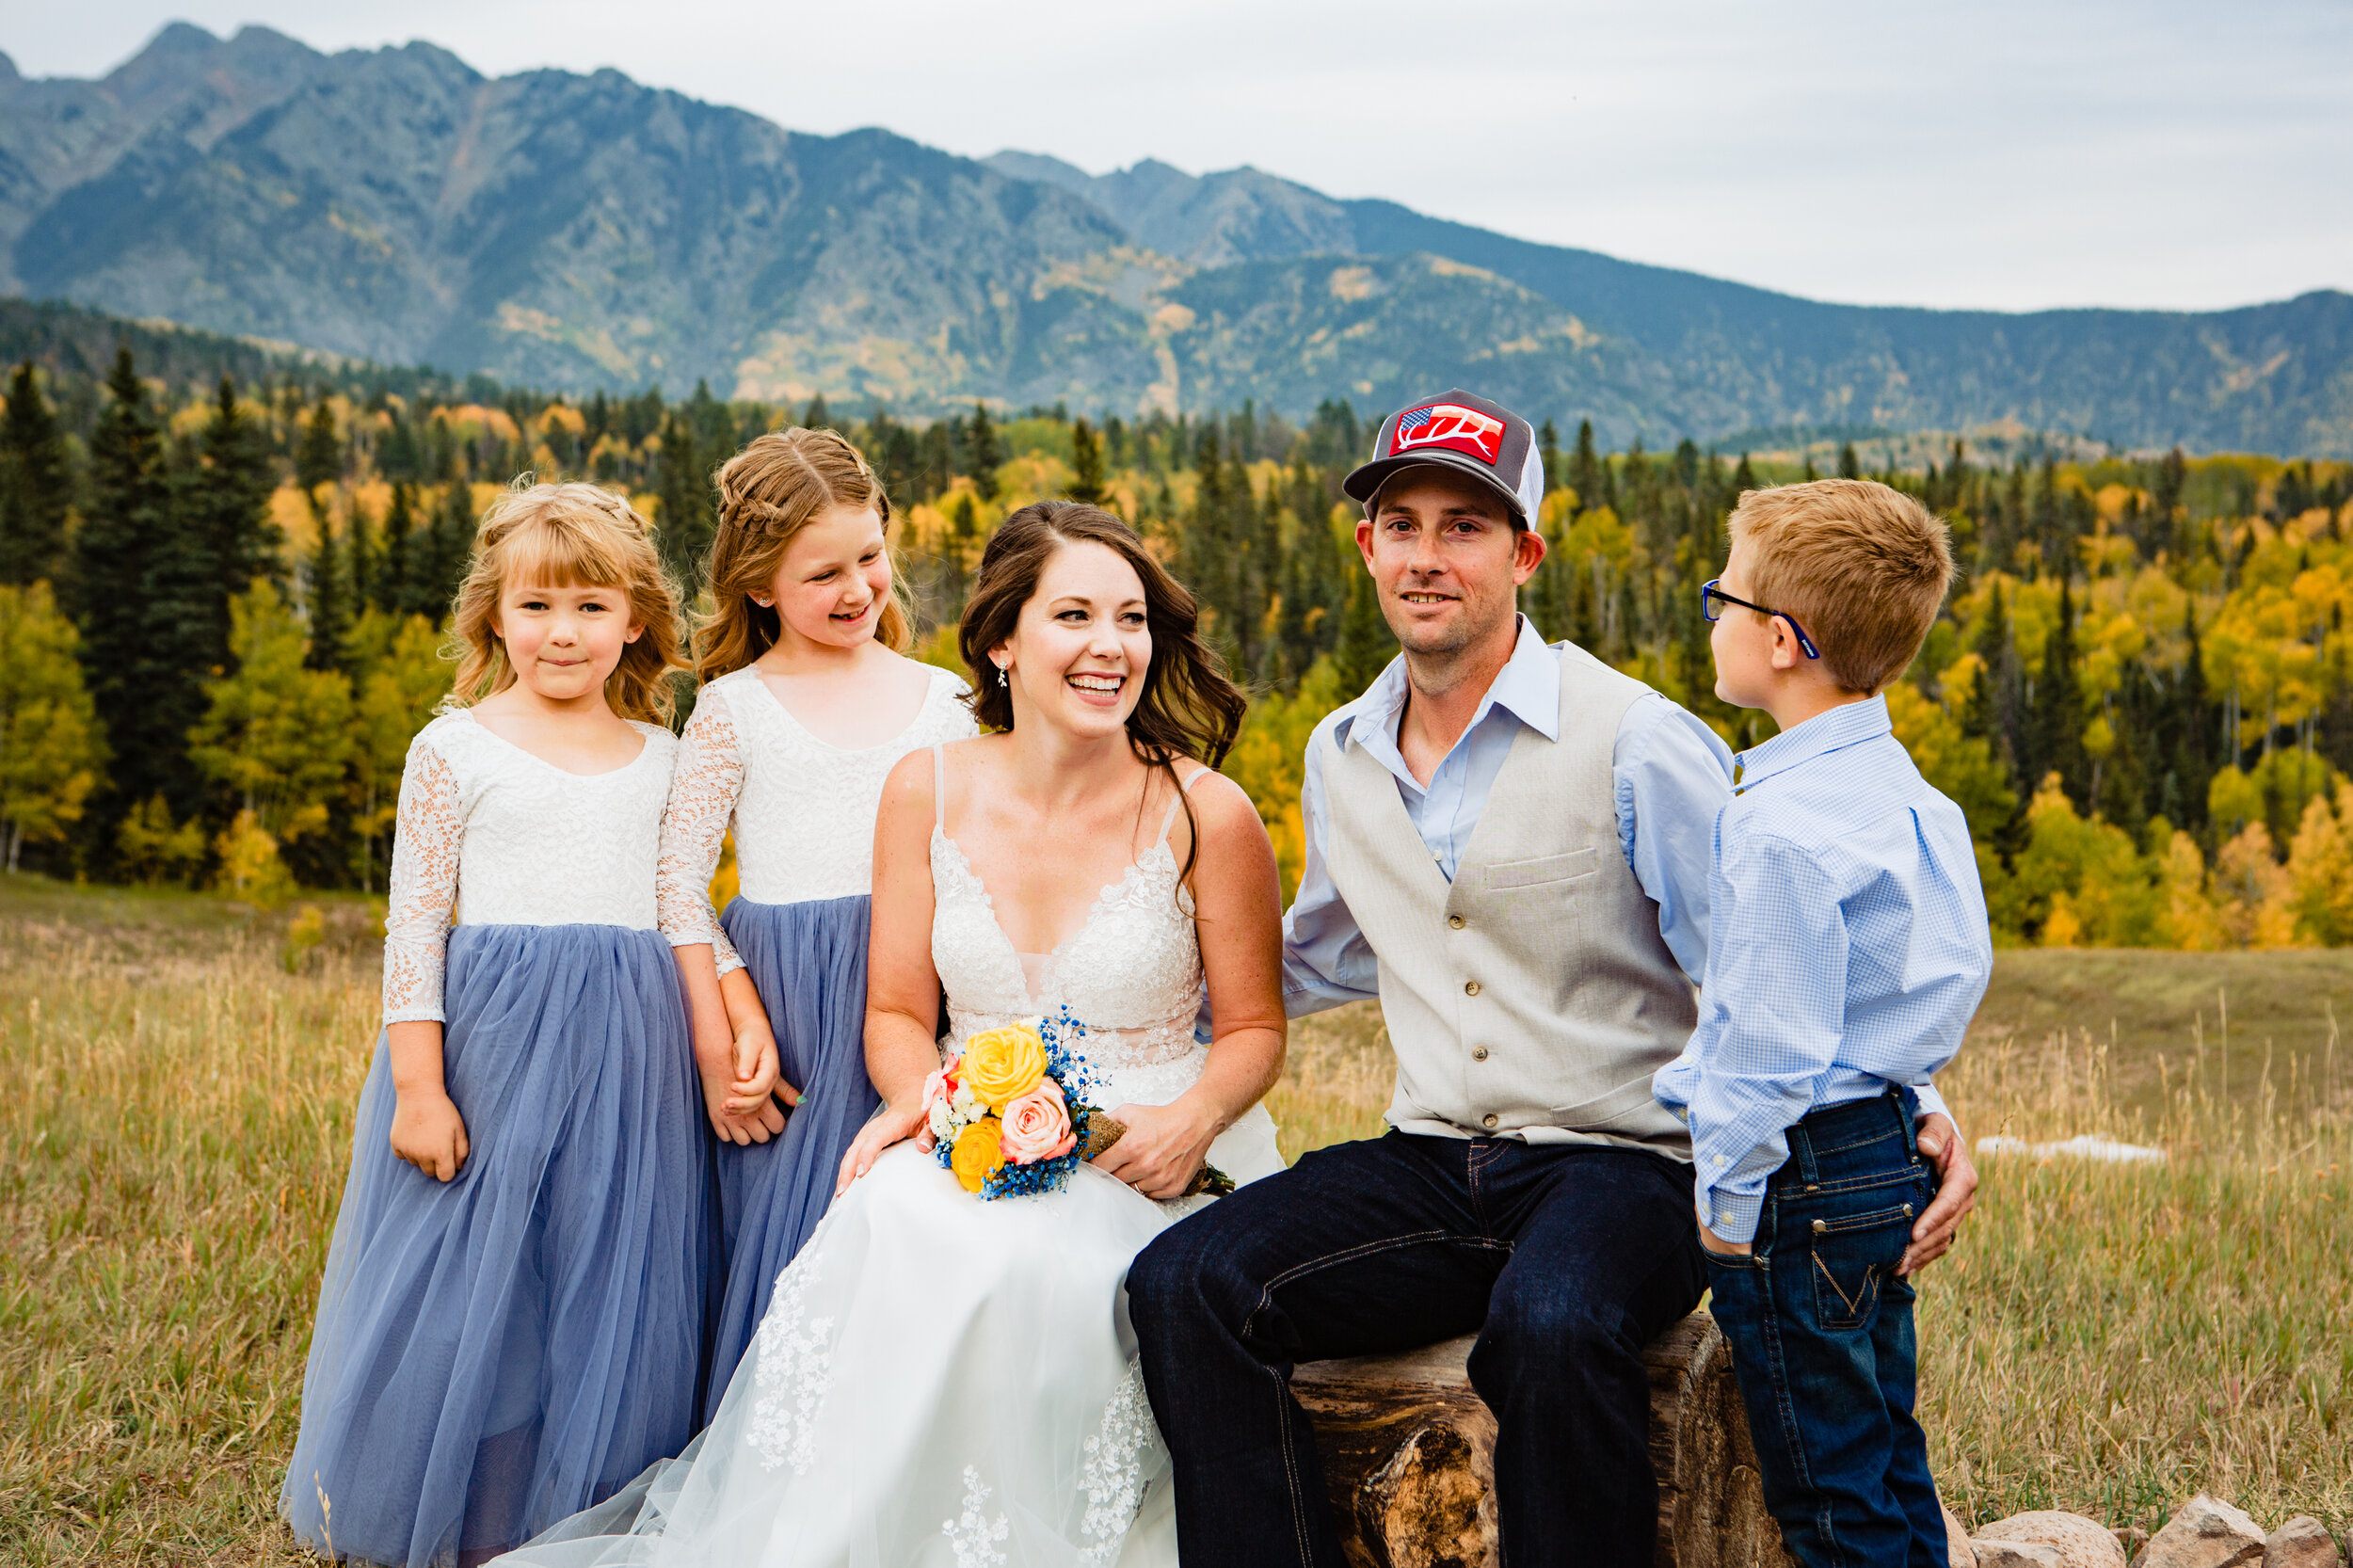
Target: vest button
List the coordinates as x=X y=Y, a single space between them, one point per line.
x=1489 y=1121
x=1454 y=922
x=1470 y=987
x=1478 y=1054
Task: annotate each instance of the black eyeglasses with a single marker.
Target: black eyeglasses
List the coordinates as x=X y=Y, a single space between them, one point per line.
x=1713 y=599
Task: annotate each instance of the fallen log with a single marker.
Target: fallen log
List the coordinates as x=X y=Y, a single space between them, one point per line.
x=1408 y=1450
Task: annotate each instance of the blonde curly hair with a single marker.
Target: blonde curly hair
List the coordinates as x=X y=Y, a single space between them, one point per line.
x=569 y=535
x=768 y=492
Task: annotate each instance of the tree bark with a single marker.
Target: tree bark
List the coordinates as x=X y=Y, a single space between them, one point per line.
x=1408 y=1450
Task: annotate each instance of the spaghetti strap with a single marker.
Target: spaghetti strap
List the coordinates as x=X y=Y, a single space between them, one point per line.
x=1184 y=788
x=939 y=788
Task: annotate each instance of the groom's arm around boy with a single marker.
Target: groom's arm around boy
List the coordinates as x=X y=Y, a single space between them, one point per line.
x=1850 y=950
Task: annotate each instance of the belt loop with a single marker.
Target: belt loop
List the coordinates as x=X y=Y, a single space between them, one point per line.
x=1906 y=1115
x=1802 y=1149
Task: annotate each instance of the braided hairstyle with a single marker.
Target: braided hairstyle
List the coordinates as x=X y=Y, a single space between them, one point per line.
x=768 y=492
x=567 y=535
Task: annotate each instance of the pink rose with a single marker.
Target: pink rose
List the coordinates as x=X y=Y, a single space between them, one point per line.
x=1037 y=1125
x=942 y=1084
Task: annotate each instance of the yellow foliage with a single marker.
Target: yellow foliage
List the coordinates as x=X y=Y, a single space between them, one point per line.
x=249 y=866
x=2191 y=920
x=2255 y=893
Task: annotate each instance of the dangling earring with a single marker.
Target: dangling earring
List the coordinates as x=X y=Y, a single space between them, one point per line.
x=1001 y=682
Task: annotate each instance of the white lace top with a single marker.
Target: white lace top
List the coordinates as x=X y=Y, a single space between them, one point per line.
x=1130 y=973
x=491 y=835
x=803 y=811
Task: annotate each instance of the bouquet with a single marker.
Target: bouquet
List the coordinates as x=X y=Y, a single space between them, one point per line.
x=1010 y=1115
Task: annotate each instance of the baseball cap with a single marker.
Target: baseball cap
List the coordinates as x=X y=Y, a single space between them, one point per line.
x=1462 y=431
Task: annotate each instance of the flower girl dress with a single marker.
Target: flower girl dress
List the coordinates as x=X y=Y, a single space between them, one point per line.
x=942 y=1382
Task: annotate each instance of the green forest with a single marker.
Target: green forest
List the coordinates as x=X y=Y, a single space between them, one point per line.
x=222 y=586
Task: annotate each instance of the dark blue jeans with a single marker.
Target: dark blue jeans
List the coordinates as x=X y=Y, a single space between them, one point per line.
x=1565 y=1259
x=1820 y=1329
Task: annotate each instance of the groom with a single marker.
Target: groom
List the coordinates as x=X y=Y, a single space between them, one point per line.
x=1509 y=845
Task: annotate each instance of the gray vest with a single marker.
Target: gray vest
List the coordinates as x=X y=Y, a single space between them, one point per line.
x=1531 y=998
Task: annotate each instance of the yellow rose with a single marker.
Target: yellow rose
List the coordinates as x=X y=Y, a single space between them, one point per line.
x=1003 y=1064
x=979 y=1153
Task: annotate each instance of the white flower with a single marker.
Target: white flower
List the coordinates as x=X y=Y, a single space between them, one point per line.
x=967 y=1104
x=943 y=1121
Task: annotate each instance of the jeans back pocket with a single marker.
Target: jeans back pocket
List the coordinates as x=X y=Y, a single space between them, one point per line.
x=1854 y=1255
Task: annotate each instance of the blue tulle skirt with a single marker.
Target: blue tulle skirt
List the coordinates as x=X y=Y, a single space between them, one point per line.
x=809 y=961
x=497 y=1351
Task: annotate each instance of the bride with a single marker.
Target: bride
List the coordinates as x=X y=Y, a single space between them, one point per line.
x=940 y=1380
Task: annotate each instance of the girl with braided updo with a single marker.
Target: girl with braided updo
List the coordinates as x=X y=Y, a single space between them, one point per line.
x=809 y=701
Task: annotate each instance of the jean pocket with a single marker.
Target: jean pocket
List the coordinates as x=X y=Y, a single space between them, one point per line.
x=1854 y=1258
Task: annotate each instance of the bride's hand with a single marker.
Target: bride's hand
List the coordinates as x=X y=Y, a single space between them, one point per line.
x=1163 y=1147
x=889 y=1125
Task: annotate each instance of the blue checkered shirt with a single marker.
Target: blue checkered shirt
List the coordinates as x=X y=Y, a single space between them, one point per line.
x=1848 y=949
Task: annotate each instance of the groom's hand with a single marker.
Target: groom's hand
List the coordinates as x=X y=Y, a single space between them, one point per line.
x=1163 y=1147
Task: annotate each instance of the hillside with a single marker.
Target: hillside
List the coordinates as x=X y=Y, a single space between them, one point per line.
x=580 y=232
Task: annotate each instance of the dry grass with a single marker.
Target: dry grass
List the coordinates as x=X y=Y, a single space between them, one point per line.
x=178 y=1118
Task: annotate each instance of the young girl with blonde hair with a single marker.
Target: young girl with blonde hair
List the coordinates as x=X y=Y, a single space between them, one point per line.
x=809 y=703
x=511 y=1323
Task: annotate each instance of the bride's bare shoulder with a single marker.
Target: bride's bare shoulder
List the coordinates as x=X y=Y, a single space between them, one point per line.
x=909 y=787
x=1222 y=807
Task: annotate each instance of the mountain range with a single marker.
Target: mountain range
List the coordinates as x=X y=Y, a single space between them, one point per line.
x=581 y=230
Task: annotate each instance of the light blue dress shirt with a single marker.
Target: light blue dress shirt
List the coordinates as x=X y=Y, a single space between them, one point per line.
x=1671 y=775
x=1850 y=950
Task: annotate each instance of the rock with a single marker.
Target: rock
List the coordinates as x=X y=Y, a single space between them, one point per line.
x=2015 y=1554
x=2301 y=1542
x=1959 y=1552
x=1408 y=1450
x=2132 y=1538
x=2207 y=1533
x=2078 y=1542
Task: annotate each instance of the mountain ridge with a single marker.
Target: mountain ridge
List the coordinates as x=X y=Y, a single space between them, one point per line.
x=578 y=231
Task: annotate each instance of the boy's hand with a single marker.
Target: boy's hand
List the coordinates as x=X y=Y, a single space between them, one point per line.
x=428 y=1134
x=1947 y=1152
x=1723 y=1248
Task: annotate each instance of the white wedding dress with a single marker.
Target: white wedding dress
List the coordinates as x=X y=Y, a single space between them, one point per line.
x=947 y=1382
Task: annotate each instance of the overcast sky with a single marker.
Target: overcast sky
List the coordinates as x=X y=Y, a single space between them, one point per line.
x=1993 y=153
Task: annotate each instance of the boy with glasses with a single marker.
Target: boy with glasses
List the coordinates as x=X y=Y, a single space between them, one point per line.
x=1851 y=948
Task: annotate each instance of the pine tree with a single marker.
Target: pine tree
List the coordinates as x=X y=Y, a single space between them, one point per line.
x=320 y=458
x=327 y=586
x=980 y=451
x=1743 y=478
x=396 y=585
x=1364 y=646
x=684 y=513
x=359 y=558
x=113 y=554
x=1548 y=454
x=2059 y=712
x=816 y=416
x=451 y=549
x=231 y=509
x=1585 y=468
x=35 y=486
x=1088 y=463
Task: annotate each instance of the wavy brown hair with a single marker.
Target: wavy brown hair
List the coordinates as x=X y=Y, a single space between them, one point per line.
x=568 y=536
x=1190 y=707
x=768 y=492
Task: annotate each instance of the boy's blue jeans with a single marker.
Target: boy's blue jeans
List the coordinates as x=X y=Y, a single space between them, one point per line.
x=1822 y=1336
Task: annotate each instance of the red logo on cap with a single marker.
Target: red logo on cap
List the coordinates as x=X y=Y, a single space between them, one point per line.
x=1452 y=426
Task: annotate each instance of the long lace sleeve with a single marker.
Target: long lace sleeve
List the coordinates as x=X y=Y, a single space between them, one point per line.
x=426 y=841
x=705 y=782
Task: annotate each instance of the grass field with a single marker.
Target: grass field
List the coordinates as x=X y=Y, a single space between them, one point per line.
x=177 y=1113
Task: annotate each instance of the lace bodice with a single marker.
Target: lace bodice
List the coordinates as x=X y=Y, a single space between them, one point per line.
x=801 y=811
x=489 y=835
x=1130 y=973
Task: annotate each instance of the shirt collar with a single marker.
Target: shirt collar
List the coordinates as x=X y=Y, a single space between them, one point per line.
x=1849 y=723
x=1527 y=687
